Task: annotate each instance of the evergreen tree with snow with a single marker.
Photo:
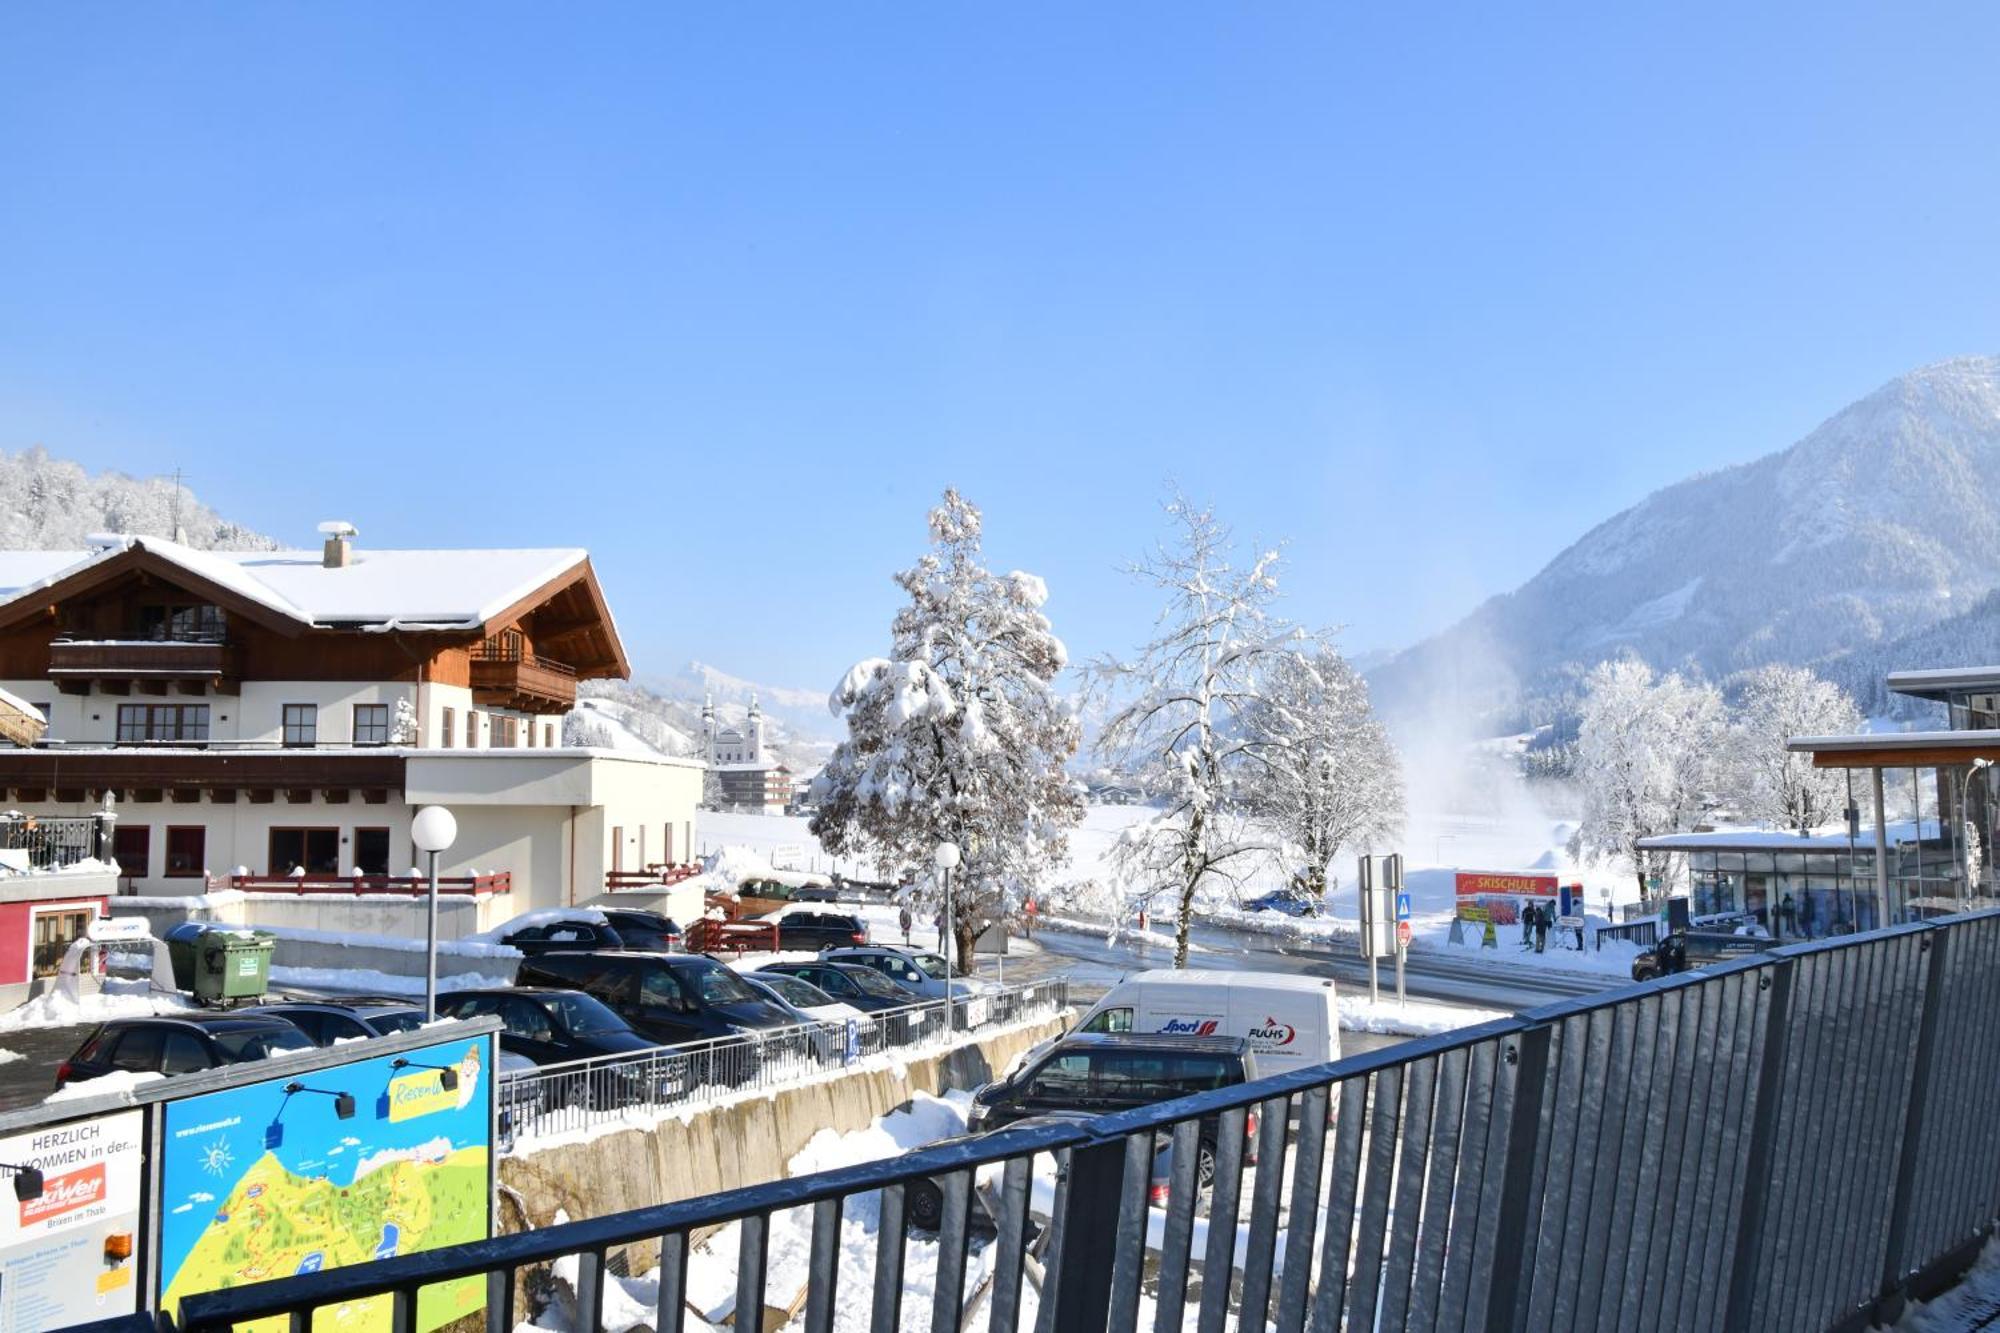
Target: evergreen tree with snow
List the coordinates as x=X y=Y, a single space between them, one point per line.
x=1181 y=706
x=1762 y=780
x=957 y=735
x=1322 y=774
x=1645 y=761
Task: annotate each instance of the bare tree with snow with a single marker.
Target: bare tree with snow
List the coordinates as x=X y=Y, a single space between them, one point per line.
x=1180 y=705
x=1322 y=773
x=1765 y=782
x=1646 y=760
x=958 y=734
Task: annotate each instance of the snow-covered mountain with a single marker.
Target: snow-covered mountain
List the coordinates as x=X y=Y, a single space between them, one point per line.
x=800 y=713
x=1880 y=523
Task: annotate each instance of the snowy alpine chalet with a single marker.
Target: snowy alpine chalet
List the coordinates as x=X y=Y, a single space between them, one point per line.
x=284 y=713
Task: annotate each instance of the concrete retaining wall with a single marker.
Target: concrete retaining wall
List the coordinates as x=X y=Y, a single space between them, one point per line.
x=744 y=1143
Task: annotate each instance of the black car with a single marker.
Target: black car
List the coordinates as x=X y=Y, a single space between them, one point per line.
x=620 y=929
x=1685 y=949
x=848 y=983
x=820 y=930
x=179 y=1044
x=329 y=1021
x=547 y=1025
x=1101 y=1072
x=669 y=998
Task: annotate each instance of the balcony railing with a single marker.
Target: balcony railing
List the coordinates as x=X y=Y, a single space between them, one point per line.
x=506 y=675
x=406 y=885
x=163 y=659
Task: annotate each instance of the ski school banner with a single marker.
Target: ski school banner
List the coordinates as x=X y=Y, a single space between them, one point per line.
x=1498 y=896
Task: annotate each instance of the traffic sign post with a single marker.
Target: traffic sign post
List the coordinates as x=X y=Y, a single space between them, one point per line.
x=1402 y=901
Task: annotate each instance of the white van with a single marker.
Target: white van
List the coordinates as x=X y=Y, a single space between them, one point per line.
x=1290 y=1021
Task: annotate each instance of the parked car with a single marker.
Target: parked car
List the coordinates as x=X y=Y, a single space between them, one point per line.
x=1098 y=1073
x=813 y=1004
x=179 y=1044
x=849 y=983
x=547 y=1025
x=816 y=893
x=1288 y=901
x=801 y=930
x=589 y=929
x=1684 y=950
x=669 y=998
x=552 y=1026
x=917 y=971
x=347 y=1019
x=809 y=1006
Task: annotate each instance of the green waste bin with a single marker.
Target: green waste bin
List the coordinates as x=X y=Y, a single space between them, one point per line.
x=232 y=965
x=181 y=942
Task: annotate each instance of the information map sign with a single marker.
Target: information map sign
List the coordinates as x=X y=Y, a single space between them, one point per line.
x=67 y=1256
x=329 y=1168
x=1499 y=896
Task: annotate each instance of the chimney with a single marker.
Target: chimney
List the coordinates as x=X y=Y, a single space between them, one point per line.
x=339 y=551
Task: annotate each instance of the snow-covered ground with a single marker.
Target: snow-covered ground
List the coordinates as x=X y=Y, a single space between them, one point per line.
x=1972 y=1304
x=120 y=999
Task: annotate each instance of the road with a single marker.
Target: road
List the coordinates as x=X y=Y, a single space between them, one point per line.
x=1484 y=983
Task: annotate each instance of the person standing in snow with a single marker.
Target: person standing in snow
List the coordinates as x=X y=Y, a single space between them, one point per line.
x=1788 y=913
x=1543 y=916
x=904 y=920
x=1527 y=925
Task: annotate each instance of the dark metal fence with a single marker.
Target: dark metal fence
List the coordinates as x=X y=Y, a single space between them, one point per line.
x=578 y=1094
x=1644 y=933
x=1779 y=1142
x=54 y=841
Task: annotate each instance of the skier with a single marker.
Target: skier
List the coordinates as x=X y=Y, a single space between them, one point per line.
x=1543 y=916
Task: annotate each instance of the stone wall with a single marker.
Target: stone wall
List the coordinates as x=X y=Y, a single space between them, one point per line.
x=742 y=1143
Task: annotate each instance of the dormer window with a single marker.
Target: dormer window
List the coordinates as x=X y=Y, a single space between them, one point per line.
x=186 y=623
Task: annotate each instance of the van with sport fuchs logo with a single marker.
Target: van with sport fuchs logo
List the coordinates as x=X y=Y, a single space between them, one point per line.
x=1290 y=1021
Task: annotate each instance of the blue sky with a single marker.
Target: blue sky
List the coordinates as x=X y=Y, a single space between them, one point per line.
x=729 y=293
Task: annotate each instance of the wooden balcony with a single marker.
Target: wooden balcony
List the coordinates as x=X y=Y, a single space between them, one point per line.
x=75 y=663
x=506 y=676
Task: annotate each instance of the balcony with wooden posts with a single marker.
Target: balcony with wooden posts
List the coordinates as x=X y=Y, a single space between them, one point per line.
x=152 y=664
x=506 y=675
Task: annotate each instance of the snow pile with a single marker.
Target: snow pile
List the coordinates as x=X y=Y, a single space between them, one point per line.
x=118 y=1080
x=1417 y=1018
x=367 y=981
x=120 y=999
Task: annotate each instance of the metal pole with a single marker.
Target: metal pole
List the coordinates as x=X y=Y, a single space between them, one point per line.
x=1881 y=853
x=431 y=943
x=1402 y=997
x=946 y=950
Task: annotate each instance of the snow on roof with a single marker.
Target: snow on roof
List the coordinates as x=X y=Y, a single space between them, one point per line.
x=1782 y=840
x=441 y=589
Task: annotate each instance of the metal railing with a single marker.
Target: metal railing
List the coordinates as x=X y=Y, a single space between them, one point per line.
x=1782 y=1142
x=579 y=1094
x=54 y=841
x=1644 y=933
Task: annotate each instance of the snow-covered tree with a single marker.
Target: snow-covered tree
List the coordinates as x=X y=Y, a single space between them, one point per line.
x=1646 y=752
x=1322 y=774
x=957 y=735
x=1180 y=708
x=1762 y=780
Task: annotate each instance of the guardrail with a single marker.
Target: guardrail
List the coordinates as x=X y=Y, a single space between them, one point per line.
x=578 y=1094
x=1790 y=1141
x=1644 y=933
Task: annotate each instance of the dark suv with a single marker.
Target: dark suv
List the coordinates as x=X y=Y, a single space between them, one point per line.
x=1685 y=949
x=621 y=929
x=329 y=1021
x=669 y=998
x=820 y=930
x=179 y=1044
x=1101 y=1072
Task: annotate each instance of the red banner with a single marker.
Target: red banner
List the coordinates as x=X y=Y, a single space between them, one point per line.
x=1473 y=883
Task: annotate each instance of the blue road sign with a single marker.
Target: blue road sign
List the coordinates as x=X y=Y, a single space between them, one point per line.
x=1402 y=907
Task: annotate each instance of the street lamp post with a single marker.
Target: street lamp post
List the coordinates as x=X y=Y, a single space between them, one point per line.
x=947 y=858
x=433 y=830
